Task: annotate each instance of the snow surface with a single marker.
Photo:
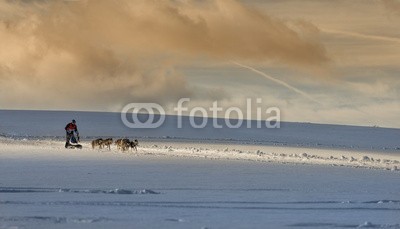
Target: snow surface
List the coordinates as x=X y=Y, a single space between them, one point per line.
x=94 y=124
x=229 y=151
x=301 y=176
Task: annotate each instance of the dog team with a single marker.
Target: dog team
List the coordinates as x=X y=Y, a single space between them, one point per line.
x=122 y=144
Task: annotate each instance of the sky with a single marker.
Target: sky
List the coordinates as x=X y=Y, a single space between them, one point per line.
x=318 y=61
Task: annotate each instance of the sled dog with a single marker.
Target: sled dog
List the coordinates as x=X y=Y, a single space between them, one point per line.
x=134 y=144
x=98 y=142
x=107 y=143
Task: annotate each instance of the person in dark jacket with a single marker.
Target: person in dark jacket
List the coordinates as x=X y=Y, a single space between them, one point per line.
x=70 y=129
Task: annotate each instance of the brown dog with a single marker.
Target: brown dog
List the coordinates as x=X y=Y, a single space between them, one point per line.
x=118 y=143
x=98 y=142
x=107 y=143
x=125 y=144
x=122 y=144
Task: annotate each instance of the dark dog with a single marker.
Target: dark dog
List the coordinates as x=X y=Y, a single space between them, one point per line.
x=107 y=143
x=98 y=142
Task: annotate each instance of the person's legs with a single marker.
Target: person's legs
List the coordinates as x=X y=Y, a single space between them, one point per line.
x=68 y=138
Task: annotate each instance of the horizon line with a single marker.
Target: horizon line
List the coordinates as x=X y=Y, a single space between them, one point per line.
x=187 y=116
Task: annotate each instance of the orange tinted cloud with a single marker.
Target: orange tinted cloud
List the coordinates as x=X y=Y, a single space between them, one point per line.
x=104 y=53
x=392 y=5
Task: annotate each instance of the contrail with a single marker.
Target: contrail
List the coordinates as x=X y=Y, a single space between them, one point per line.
x=360 y=35
x=279 y=82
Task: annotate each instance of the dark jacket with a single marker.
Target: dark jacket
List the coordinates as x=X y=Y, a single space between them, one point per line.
x=71 y=127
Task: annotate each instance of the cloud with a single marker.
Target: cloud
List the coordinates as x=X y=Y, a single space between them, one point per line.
x=363 y=36
x=101 y=54
x=392 y=5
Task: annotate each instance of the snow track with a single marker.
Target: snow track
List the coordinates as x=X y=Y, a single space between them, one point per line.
x=221 y=150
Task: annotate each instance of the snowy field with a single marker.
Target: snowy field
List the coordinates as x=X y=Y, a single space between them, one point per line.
x=300 y=176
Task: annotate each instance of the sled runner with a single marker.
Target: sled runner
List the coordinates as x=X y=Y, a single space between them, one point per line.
x=74 y=146
x=73 y=143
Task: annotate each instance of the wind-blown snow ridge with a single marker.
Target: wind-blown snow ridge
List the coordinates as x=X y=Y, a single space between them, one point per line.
x=212 y=150
x=92 y=191
x=342 y=225
x=345 y=203
x=275 y=154
x=53 y=219
x=349 y=206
